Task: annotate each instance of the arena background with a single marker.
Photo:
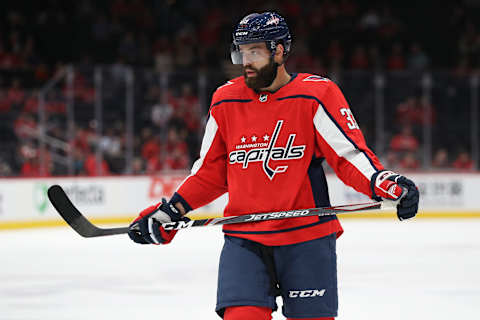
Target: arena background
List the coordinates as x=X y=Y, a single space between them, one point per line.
x=104 y=97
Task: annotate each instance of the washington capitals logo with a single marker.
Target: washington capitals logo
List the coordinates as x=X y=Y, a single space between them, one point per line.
x=273 y=20
x=265 y=153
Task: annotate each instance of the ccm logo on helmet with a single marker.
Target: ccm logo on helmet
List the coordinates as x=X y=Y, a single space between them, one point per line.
x=306 y=293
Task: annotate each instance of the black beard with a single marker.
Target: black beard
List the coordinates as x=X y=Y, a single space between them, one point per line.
x=264 y=77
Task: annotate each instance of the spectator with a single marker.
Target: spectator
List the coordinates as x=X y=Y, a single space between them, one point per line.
x=5 y=169
x=161 y=114
x=335 y=52
x=463 y=161
x=302 y=60
x=128 y=48
x=404 y=141
x=396 y=60
x=32 y=161
x=407 y=111
x=30 y=168
x=16 y=94
x=370 y=20
x=427 y=113
x=5 y=104
x=359 y=60
x=155 y=163
x=176 y=151
x=9 y=60
x=162 y=52
x=151 y=147
x=409 y=161
x=138 y=166
x=31 y=103
x=416 y=111
x=78 y=162
x=24 y=125
x=417 y=59
x=91 y=167
x=110 y=143
x=375 y=57
x=391 y=159
x=440 y=159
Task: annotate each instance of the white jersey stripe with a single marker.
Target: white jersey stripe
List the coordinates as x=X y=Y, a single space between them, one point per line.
x=210 y=132
x=340 y=144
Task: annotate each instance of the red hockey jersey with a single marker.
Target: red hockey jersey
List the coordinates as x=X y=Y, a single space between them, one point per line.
x=266 y=150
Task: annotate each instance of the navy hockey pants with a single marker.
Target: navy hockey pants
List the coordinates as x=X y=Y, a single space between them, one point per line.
x=306 y=274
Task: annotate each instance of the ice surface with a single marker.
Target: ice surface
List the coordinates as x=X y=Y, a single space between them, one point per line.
x=421 y=269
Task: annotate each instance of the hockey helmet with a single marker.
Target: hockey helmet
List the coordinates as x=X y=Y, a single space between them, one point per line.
x=268 y=27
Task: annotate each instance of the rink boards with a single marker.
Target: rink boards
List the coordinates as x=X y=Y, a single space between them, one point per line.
x=23 y=202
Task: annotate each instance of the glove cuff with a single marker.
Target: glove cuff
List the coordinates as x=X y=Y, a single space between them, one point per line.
x=381 y=181
x=178 y=198
x=373 y=179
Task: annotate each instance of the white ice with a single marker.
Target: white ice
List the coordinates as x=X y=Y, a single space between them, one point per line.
x=421 y=269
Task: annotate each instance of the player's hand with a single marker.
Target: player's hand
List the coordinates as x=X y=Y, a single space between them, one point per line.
x=147 y=227
x=392 y=186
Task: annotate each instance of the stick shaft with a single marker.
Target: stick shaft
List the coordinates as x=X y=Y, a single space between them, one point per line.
x=85 y=228
x=255 y=217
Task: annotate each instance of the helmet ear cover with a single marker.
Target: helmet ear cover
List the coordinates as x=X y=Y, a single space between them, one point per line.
x=273 y=49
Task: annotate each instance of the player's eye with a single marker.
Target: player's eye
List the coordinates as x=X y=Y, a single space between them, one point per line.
x=249 y=53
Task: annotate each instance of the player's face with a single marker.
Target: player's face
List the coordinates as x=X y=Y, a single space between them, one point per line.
x=259 y=67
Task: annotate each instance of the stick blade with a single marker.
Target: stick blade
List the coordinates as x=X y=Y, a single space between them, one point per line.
x=74 y=218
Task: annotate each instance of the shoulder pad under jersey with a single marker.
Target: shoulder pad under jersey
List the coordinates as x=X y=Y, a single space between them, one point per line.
x=232 y=89
x=314 y=84
x=307 y=77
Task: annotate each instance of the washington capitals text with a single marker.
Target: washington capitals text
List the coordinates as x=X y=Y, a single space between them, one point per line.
x=271 y=152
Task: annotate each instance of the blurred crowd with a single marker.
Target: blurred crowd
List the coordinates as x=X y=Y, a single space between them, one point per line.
x=39 y=39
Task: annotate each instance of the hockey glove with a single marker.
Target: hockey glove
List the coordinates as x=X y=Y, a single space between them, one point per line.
x=147 y=227
x=392 y=186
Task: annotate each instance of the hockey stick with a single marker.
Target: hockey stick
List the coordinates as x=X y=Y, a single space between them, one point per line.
x=85 y=228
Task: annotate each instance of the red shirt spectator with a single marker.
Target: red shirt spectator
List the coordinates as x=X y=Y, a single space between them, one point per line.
x=32 y=165
x=396 y=61
x=24 y=122
x=82 y=139
x=463 y=161
x=175 y=143
x=15 y=93
x=31 y=104
x=10 y=61
x=178 y=160
x=91 y=166
x=335 y=51
x=30 y=169
x=407 y=111
x=404 y=141
x=5 y=104
x=155 y=164
x=359 y=60
x=409 y=161
x=150 y=148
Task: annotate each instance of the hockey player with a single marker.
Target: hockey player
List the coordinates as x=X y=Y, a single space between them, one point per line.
x=266 y=137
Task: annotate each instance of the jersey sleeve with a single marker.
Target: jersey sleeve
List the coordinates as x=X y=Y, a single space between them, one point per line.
x=342 y=143
x=207 y=180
